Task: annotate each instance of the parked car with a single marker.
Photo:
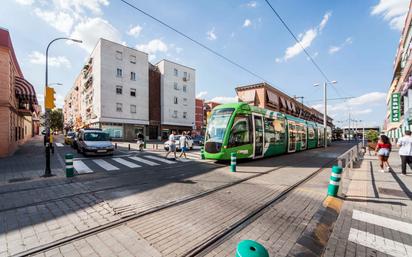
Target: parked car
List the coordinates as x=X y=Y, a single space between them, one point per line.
x=177 y=137
x=199 y=140
x=94 y=142
x=69 y=137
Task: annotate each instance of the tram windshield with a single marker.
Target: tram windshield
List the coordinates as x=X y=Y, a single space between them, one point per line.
x=217 y=124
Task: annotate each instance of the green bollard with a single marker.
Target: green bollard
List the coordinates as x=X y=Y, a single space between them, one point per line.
x=69 y=165
x=144 y=144
x=250 y=248
x=233 y=162
x=202 y=153
x=334 y=181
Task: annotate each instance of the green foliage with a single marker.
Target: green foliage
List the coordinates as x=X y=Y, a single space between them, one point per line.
x=56 y=120
x=372 y=136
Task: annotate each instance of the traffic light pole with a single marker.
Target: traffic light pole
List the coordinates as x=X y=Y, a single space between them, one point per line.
x=47 y=170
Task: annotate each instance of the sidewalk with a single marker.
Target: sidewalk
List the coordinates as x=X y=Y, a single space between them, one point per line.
x=376 y=218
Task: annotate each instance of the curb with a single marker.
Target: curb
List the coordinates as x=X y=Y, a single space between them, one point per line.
x=314 y=239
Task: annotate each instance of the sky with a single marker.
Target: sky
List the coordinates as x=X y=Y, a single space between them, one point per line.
x=353 y=42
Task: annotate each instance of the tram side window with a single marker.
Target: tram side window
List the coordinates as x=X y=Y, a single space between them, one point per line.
x=279 y=125
x=311 y=133
x=239 y=135
x=270 y=133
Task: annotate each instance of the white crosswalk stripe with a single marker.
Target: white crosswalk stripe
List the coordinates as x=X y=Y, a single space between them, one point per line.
x=160 y=159
x=383 y=221
x=138 y=159
x=81 y=168
x=59 y=144
x=126 y=163
x=379 y=243
x=105 y=165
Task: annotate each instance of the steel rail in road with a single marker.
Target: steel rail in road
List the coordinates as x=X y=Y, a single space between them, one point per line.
x=174 y=203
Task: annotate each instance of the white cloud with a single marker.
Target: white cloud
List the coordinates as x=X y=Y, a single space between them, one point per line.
x=61 y=21
x=247 y=23
x=92 y=29
x=38 y=58
x=305 y=40
x=393 y=11
x=201 y=94
x=335 y=49
x=224 y=99
x=154 y=46
x=211 y=34
x=134 y=31
x=178 y=50
x=251 y=4
x=25 y=2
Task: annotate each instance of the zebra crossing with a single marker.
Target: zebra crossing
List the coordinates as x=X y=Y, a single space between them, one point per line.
x=379 y=243
x=120 y=162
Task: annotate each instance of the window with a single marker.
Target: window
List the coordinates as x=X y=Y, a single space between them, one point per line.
x=133 y=92
x=119 y=55
x=133 y=108
x=176 y=86
x=176 y=72
x=119 y=90
x=175 y=100
x=311 y=132
x=119 y=107
x=132 y=75
x=174 y=114
x=185 y=101
x=270 y=134
x=119 y=72
x=240 y=133
x=184 y=115
x=132 y=59
x=279 y=125
x=184 y=88
x=185 y=75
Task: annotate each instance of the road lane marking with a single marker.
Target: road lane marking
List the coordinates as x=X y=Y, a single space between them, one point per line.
x=81 y=168
x=126 y=163
x=383 y=221
x=105 y=165
x=160 y=159
x=381 y=244
x=59 y=144
x=138 y=159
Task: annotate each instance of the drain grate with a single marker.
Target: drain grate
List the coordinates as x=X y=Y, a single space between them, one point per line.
x=393 y=192
x=14 y=180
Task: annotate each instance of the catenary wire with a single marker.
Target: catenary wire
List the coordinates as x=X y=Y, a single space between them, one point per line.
x=197 y=42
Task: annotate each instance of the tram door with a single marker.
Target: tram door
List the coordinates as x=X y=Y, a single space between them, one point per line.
x=292 y=136
x=258 y=136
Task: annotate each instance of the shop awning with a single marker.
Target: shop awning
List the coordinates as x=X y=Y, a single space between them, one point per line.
x=289 y=105
x=273 y=98
x=25 y=91
x=283 y=101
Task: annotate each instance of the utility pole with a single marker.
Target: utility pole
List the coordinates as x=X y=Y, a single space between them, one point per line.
x=49 y=104
x=325 y=110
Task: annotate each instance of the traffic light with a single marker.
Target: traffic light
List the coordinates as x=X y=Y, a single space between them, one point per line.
x=49 y=98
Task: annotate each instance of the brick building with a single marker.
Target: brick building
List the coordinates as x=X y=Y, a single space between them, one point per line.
x=19 y=110
x=199 y=116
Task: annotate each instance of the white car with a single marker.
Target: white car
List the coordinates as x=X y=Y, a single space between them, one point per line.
x=177 y=137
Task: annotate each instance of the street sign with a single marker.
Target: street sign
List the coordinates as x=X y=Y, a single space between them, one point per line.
x=395 y=107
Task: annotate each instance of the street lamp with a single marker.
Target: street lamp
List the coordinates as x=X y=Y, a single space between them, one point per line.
x=47 y=171
x=325 y=102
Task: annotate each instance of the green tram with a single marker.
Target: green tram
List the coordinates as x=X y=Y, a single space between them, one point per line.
x=253 y=132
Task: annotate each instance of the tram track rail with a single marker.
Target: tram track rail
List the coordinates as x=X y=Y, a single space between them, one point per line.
x=201 y=248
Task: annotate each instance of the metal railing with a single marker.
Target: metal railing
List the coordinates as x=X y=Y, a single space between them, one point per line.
x=347 y=160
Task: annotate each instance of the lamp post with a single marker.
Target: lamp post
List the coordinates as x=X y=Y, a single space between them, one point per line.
x=325 y=102
x=47 y=171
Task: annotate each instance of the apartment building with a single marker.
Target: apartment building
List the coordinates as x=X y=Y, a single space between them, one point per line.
x=19 y=110
x=177 y=97
x=399 y=97
x=112 y=91
x=119 y=91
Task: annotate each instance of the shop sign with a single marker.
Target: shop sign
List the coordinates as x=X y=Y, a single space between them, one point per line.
x=395 y=107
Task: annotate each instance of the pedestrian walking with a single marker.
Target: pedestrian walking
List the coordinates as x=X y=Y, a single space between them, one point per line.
x=172 y=144
x=383 y=149
x=405 y=150
x=140 y=141
x=183 y=145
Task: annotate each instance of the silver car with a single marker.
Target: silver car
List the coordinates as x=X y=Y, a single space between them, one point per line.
x=94 y=142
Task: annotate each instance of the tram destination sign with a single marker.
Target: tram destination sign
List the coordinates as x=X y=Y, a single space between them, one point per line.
x=395 y=107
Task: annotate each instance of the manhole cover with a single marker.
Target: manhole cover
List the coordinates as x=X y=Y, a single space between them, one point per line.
x=389 y=191
x=19 y=179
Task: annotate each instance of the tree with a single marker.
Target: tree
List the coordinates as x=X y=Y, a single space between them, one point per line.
x=372 y=136
x=56 y=119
